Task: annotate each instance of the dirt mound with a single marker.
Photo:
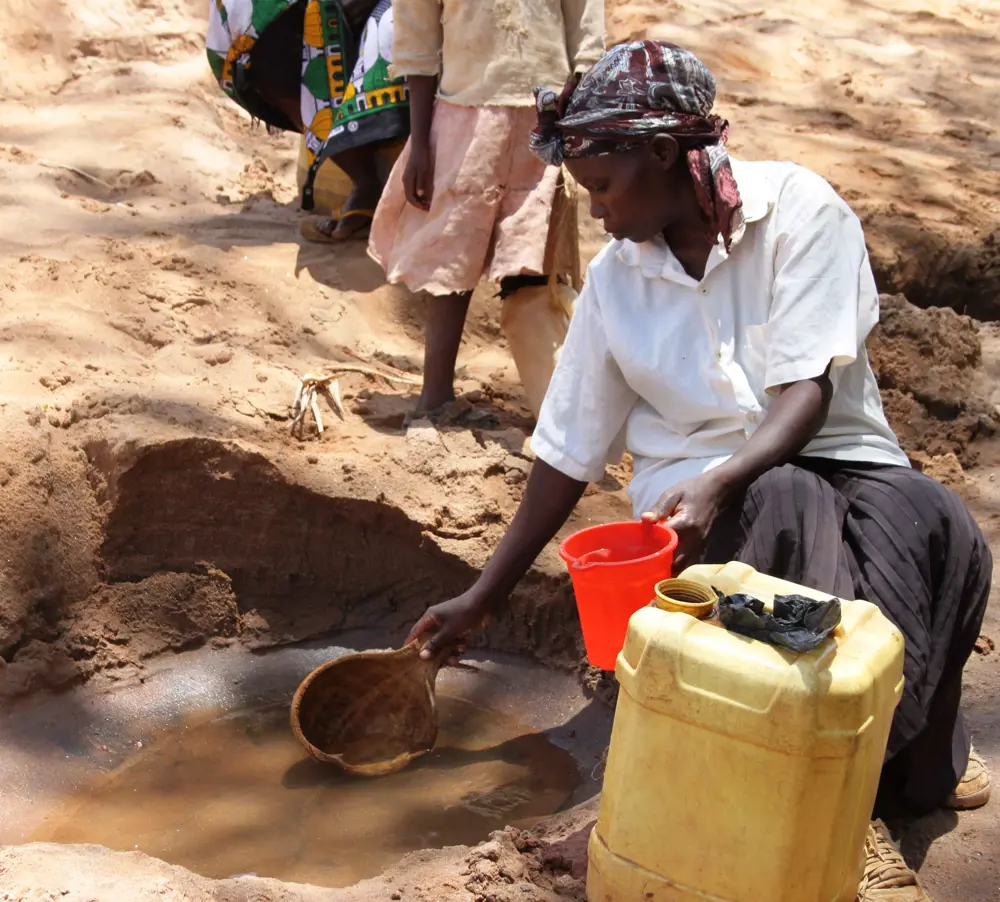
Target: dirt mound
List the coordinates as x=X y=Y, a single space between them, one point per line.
x=547 y=864
x=938 y=270
x=929 y=367
x=133 y=551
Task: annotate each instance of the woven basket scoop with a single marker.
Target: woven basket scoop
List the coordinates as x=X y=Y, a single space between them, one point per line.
x=370 y=713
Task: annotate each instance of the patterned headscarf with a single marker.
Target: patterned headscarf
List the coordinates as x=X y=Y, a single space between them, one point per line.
x=635 y=92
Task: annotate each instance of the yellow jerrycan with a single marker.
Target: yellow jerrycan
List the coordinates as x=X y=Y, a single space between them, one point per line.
x=739 y=771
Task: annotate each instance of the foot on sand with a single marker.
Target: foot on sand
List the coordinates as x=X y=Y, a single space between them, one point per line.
x=459 y=412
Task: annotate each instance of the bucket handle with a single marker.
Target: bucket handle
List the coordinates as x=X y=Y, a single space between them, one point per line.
x=597 y=556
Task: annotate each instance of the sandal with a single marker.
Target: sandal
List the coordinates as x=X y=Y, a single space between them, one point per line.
x=324 y=230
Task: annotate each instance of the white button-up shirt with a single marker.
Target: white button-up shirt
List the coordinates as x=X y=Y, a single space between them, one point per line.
x=681 y=372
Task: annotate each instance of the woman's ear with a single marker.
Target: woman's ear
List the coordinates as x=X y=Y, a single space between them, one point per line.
x=666 y=150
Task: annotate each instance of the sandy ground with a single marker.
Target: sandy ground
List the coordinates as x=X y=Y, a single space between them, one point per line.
x=156 y=306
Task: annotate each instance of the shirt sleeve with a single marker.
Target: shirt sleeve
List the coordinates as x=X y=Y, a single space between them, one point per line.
x=588 y=400
x=417 y=37
x=584 y=32
x=824 y=301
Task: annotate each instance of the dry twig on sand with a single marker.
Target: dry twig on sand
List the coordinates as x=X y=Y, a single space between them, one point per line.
x=312 y=385
x=86 y=176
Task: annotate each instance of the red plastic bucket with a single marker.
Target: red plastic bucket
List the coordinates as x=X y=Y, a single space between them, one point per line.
x=614 y=569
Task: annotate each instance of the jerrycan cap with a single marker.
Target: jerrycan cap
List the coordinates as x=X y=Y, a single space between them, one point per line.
x=684 y=596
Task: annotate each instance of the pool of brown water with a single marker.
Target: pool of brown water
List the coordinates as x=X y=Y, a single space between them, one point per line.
x=232 y=793
x=195 y=763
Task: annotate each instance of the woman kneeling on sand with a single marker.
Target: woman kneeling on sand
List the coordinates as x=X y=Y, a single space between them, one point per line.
x=720 y=338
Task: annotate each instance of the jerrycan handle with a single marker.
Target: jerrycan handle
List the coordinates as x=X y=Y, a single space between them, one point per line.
x=597 y=556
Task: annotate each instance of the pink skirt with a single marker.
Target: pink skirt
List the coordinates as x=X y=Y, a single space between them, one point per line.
x=491 y=208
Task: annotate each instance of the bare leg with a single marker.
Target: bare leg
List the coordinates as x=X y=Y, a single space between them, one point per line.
x=445 y=322
x=360 y=165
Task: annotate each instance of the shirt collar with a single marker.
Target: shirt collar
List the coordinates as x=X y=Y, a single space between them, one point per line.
x=755 y=190
x=654 y=257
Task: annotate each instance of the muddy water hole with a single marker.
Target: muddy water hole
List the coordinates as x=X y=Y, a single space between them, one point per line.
x=172 y=562
x=197 y=765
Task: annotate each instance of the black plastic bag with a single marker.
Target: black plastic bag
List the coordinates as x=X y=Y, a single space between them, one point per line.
x=797 y=623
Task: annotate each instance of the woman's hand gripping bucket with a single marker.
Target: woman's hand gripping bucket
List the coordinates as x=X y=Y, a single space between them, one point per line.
x=614 y=569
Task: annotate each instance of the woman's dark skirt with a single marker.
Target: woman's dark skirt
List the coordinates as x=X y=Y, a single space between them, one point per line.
x=902 y=541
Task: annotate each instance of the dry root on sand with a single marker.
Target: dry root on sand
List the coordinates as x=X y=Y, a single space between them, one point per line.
x=311 y=386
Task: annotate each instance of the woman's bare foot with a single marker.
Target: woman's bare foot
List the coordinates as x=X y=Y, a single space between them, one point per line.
x=457 y=412
x=437 y=398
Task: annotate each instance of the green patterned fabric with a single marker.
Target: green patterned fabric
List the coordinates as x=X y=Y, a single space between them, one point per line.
x=348 y=98
x=233 y=29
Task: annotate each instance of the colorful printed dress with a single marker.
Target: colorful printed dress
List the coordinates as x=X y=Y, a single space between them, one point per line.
x=337 y=37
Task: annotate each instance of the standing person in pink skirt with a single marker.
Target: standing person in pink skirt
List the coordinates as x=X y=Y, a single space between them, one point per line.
x=467 y=199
